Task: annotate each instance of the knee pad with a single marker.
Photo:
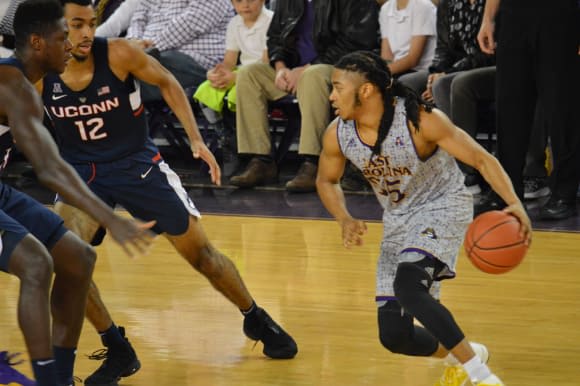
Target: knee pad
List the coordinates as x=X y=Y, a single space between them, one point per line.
x=395 y=330
x=399 y=335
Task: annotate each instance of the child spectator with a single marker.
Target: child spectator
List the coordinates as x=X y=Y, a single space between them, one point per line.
x=246 y=41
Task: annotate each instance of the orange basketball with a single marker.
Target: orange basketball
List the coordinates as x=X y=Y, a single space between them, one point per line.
x=493 y=243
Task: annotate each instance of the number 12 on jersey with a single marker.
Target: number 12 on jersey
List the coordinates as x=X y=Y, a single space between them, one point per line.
x=89 y=130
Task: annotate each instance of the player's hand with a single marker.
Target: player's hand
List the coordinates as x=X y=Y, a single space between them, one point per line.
x=200 y=150
x=132 y=235
x=519 y=212
x=485 y=37
x=352 y=232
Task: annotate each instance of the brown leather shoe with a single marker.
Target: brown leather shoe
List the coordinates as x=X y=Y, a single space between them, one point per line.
x=305 y=180
x=257 y=173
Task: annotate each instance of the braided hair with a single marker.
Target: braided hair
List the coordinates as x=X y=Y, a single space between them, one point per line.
x=376 y=71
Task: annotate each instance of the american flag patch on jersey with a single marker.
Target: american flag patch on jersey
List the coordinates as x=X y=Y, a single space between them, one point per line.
x=103 y=90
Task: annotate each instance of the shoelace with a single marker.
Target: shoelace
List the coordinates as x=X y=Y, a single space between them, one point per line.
x=451 y=376
x=99 y=355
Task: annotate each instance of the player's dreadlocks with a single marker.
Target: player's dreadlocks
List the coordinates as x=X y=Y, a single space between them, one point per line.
x=376 y=71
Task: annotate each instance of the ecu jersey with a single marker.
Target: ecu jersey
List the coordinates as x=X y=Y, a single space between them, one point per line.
x=6 y=141
x=102 y=123
x=402 y=181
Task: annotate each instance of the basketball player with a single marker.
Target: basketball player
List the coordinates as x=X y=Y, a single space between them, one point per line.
x=405 y=150
x=100 y=126
x=33 y=240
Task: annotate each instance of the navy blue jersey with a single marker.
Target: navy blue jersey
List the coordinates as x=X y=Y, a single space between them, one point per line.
x=102 y=123
x=6 y=141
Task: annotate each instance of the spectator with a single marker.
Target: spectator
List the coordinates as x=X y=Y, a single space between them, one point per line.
x=305 y=38
x=246 y=42
x=114 y=22
x=189 y=34
x=537 y=60
x=6 y=31
x=473 y=90
x=408 y=35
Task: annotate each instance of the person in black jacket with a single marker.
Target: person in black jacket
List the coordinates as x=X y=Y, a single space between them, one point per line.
x=305 y=38
x=457 y=50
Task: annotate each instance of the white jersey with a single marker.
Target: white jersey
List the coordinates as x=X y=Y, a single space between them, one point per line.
x=402 y=181
x=426 y=205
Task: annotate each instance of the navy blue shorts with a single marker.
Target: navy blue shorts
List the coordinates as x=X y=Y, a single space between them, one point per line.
x=146 y=187
x=21 y=215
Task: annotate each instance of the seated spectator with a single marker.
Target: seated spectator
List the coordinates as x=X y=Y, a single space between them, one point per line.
x=114 y=17
x=408 y=35
x=246 y=42
x=304 y=39
x=472 y=89
x=457 y=50
x=189 y=34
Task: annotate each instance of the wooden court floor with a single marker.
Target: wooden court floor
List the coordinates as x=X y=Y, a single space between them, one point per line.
x=186 y=334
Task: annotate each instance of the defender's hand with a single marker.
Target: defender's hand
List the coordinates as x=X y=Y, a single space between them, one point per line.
x=200 y=150
x=131 y=235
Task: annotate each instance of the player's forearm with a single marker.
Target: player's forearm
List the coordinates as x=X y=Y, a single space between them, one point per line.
x=177 y=100
x=333 y=199
x=495 y=175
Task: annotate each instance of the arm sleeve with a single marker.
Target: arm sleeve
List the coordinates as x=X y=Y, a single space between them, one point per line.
x=423 y=19
x=197 y=19
x=139 y=20
x=119 y=21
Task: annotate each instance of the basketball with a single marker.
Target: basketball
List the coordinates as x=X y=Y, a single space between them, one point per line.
x=493 y=243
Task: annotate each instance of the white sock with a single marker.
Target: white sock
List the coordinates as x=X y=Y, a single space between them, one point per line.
x=476 y=370
x=450 y=360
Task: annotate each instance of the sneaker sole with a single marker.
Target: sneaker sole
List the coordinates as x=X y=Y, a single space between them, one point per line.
x=280 y=354
x=135 y=366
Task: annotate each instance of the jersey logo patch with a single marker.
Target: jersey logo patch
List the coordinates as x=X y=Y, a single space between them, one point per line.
x=56 y=88
x=57 y=97
x=430 y=233
x=103 y=90
x=399 y=142
x=82 y=99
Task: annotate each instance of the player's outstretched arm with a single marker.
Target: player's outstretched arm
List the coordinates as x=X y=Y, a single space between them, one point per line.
x=124 y=56
x=437 y=128
x=330 y=169
x=24 y=110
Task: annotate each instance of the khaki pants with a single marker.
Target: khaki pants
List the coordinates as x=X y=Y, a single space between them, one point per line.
x=255 y=85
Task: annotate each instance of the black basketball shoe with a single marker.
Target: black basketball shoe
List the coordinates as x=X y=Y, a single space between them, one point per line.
x=119 y=361
x=259 y=326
